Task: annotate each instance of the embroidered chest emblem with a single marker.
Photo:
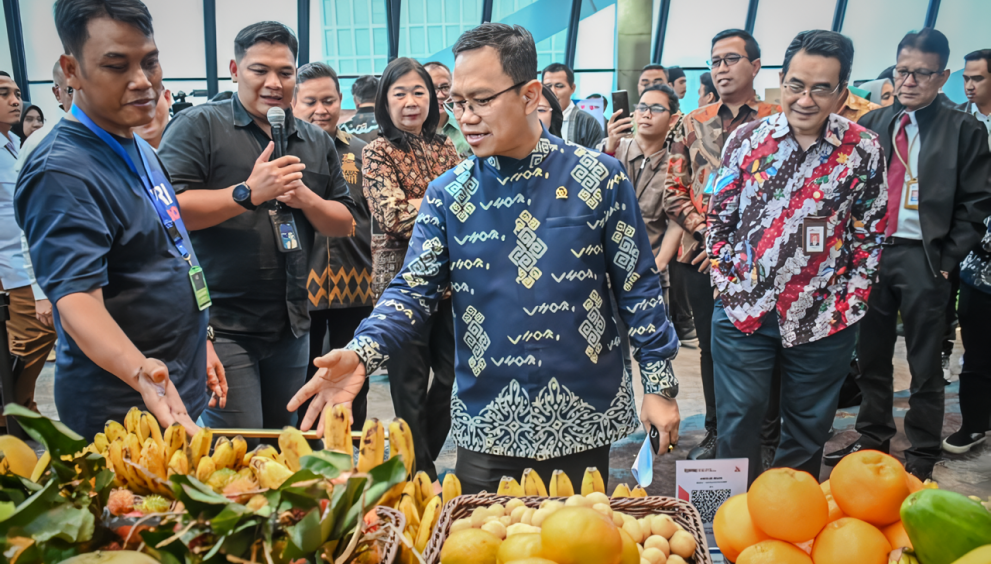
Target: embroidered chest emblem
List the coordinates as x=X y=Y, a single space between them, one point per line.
x=562 y=193
x=348 y=168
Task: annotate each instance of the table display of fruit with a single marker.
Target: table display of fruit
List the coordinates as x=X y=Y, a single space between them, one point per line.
x=229 y=505
x=870 y=511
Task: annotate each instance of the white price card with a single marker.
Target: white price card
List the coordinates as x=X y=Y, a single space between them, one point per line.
x=706 y=484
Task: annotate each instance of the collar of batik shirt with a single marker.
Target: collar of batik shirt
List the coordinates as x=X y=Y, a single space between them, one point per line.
x=833 y=132
x=507 y=166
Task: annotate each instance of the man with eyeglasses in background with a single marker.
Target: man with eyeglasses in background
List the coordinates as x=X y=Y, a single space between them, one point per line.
x=795 y=225
x=939 y=192
x=694 y=155
x=527 y=233
x=447 y=126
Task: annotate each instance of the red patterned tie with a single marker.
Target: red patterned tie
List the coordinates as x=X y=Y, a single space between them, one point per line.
x=896 y=176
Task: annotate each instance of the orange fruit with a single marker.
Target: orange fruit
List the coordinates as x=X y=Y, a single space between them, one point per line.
x=787 y=504
x=834 y=509
x=871 y=486
x=914 y=484
x=733 y=528
x=896 y=535
x=773 y=552
x=849 y=540
x=580 y=535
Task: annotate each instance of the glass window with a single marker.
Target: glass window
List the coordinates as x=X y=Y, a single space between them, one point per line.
x=778 y=22
x=691 y=25
x=874 y=44
x=235 y=15
x=5 y=60
x=180 y=39
x=355 y=36
x=596 y=45
x=965 y=24
x=445 y=21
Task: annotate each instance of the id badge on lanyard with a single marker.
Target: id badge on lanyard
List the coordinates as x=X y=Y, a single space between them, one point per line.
x=286 y=236
x=160 y=198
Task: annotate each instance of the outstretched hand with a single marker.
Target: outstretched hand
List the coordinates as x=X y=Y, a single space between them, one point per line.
x=338 y=380
x=161 y=396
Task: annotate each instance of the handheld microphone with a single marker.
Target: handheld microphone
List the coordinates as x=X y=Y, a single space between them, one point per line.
x=277 y=119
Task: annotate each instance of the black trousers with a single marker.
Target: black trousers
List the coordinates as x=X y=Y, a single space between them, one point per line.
x=426 y=406
x=975 y=379
x=905 y=284
x=679 y=306
x=338 y=327
x=479 y=471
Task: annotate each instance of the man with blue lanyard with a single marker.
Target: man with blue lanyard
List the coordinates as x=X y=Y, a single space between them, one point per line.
x=106 y=238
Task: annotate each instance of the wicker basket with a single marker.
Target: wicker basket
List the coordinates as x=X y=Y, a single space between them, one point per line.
x=391 y=541
x=682 y=512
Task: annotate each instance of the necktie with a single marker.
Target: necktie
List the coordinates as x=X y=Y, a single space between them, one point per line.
x=11 y=147
x=896 y=176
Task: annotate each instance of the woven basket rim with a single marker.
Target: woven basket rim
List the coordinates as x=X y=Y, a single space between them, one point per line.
x=683 y=512
x=391 y=542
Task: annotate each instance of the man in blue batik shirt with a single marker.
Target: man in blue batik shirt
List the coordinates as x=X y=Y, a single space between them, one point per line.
x=531 y=234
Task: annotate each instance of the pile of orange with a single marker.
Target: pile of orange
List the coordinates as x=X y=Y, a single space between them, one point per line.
x=787 y=517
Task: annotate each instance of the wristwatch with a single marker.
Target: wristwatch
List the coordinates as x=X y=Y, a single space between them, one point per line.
x=210 y=335
x=242 y=195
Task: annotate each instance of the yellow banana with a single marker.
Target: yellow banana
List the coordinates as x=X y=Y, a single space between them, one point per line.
x=337 y=429
x=561 y=485
x=240 y=447
x=132 y=420
x=294 y=447
x=151 y=428
x=200 y=446
x=372 y=451
x=410 y=489
x=263 y=451
x=638 y=492
x=431 y=514
x=401 y=444
x=223 y=454
x=509 y=486
x=205 y=469
x=132 y=446
x=114 y=430
x=115 y=460
x=423 y=489
x=452 y=487
x=532 y=484
x=621 y=490
x=592 y=481
x=406 y=555
x=391 y=497
x=101 y=442
x=175 y=439
x=153 y=458
x=41 y=466
x=179 y=463
x=269 y=473
x=407 y=506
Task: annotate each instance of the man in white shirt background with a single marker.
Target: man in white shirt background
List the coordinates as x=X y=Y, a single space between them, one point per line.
x=579 y=126
x=977 y=86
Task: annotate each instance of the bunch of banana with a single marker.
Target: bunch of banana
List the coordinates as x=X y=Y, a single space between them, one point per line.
x=337 y=429
x=592 y=481
x=561 y=485
x=371 y=453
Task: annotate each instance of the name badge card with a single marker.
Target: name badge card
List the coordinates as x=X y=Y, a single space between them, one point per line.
x=814 y=235
x=707 y=484
x=912 y=194
x=286 y=236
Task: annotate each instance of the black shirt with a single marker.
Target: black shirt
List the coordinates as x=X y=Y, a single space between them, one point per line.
x=91 y=225
x=362 y=124
x=256 y=289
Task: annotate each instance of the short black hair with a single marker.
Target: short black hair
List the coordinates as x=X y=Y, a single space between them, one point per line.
x=4 y=73
x=559 y=67
x=749 y=43
x=73 y=16
x=674 y=73
x=888 y=73
x=673 y=104
x=928 y=40
x=605 y=101
x=978 y=55
x=429 y=64
x=309 y=71
x=516 y=48
x=823 y=44
x=654 y=67
x=395 y=70
x=708 y=85
x=557 y=116
x=269 y=32
x=364 y=88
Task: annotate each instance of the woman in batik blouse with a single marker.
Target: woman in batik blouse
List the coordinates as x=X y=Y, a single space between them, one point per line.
x=397 y=167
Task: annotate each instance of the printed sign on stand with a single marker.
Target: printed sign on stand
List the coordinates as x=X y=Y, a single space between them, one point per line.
x=706 y=484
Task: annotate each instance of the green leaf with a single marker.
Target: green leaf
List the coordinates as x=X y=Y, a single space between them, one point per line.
x=326 y=463
x=63 y=522
x=198 y=498
x=306 y=536
x=32 y=507
x=7 y=509
x=54 y=435
x=381 y=479
x=225 y=522
x=300 y=476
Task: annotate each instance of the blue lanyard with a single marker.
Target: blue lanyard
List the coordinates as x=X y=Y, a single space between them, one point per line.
x=146 y=182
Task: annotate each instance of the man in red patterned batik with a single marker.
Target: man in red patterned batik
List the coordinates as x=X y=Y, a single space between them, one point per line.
x=796 y=221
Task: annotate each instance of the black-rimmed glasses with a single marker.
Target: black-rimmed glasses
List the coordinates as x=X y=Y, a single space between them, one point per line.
x=478 y=107
x=918 y=75
x=730 y=60
x=651 y=109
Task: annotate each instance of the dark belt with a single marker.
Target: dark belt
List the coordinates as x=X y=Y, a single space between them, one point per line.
x=903 y=241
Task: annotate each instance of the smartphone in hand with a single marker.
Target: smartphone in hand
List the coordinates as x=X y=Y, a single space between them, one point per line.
x=621 y=103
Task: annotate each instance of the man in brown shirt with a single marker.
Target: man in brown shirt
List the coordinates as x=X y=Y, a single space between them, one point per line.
x=695 y=155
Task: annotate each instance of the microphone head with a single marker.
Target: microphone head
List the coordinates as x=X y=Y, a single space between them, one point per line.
x=276 y=117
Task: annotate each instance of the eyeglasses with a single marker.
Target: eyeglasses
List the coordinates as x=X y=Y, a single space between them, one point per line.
x=651 y=109
x=444 y=89
x=918 y=75
x=730 y=60
x=478 y=107
x=817 y=92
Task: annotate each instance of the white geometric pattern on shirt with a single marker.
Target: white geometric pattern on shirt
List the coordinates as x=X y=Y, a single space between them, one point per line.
x=589 y=173
x=594 y=326
x=660 y=379
x=462 y=188
x=368 y=350
x=540 y=152
x=425 y=265
x=556 y=423
x=626 y=257
x=529 y=248
x=476 y=339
